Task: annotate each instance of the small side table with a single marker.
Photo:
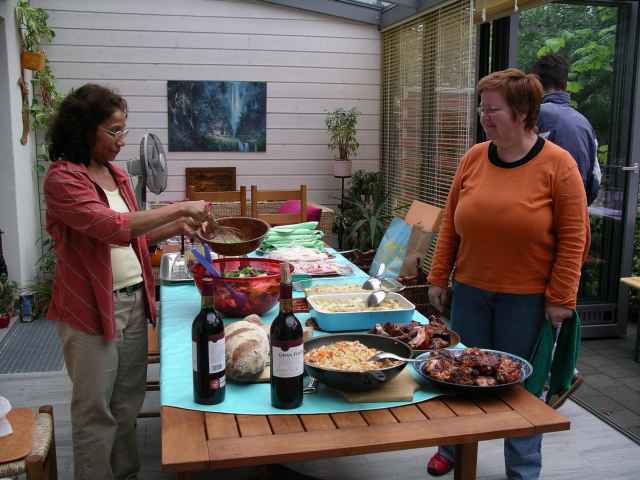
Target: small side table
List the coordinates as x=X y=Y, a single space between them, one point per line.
x=634 y=282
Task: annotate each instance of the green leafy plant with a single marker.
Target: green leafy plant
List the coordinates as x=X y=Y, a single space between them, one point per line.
x=342 y=125
x=8 y=295
x=42 y=286
x=363 y=215
x=33 y=24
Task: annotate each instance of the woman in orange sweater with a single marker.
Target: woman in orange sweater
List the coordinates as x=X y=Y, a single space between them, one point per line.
x=514 y=234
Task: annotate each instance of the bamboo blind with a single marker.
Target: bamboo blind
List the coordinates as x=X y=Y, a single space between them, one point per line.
x=428 y=98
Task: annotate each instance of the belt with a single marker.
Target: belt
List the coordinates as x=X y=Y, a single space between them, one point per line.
x=131 y=288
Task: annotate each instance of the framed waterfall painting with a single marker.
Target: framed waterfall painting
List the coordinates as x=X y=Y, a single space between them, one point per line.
x=212 y=116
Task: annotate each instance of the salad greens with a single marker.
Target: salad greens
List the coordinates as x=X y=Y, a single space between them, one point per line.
x=245 y=272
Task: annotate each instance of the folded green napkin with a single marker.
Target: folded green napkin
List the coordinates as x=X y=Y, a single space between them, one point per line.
x=295 y=226
x=299 y=234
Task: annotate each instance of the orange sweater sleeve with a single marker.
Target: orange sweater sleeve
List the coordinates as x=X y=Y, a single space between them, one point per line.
x=448 y=240
x=571 y=225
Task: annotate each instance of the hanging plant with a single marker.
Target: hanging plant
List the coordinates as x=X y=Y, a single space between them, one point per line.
x=34 y=30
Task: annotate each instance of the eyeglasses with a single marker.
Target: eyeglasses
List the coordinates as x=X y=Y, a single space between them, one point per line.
x=116 y=135
x=482 y=110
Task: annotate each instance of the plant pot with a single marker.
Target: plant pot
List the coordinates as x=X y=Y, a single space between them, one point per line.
x=32 y=60
x=5 y=318
x=342 y=168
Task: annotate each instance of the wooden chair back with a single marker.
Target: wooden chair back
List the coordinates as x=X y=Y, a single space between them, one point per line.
x=275 y=219
x=222 y=197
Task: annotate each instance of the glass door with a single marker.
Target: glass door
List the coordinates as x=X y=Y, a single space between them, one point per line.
x=598 y=41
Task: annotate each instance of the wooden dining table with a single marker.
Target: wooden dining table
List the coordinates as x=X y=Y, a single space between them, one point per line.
x=194 y=441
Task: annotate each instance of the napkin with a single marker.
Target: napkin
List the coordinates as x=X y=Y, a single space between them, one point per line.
x=400 y=389
x=298 y=234
x=5 y=426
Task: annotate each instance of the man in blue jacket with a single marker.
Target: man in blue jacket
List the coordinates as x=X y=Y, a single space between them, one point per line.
x=565 y=126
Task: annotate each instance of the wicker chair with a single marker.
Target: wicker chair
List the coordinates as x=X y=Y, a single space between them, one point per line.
x=275 y=219
x=41 y=463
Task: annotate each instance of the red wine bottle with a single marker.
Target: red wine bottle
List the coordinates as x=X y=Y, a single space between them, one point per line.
x=207 y=335
x=287 y=355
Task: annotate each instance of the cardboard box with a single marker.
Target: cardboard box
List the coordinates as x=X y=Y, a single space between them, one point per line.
x=427 y=217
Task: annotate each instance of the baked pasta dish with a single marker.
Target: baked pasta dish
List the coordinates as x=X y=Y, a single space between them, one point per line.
x=354 y=304
x=352 y=356
x=338 y=288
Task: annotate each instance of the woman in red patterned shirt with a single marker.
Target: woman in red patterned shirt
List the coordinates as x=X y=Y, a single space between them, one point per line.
x=103 y=293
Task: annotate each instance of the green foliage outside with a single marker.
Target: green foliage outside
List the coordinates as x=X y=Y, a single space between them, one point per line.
x=586 y=37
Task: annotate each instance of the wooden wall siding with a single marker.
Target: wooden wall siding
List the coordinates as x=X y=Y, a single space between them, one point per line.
x=312 y=63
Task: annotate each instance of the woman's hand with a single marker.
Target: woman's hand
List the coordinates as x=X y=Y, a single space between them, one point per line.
x=438 y=297
x=197 y=210
x=187 y=226
x=557 y=314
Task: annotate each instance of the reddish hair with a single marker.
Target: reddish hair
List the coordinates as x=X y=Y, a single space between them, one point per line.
x=523 y=93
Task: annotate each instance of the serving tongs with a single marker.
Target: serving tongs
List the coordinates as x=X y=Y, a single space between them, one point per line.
x=239 y=297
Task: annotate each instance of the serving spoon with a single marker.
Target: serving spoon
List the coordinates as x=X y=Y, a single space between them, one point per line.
x=376 y=297
x=374 y=282
x=381 y=356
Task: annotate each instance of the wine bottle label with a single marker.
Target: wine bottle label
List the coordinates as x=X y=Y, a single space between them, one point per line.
x=215 y=383
x=194 y=356
x=287 y=363
x=216 y=355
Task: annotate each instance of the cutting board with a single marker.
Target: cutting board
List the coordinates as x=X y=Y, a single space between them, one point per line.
x=400 y=389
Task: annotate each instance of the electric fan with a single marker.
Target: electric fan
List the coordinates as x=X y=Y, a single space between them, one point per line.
x=150 y=169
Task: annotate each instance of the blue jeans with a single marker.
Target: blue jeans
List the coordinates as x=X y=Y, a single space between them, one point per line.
x=511 y=323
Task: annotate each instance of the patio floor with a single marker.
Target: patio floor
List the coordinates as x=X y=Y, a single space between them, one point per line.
x=590 y=450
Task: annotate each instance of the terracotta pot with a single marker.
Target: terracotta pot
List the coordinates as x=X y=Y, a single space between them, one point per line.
x=32 y=60
x=342 y=168
x=5 y=318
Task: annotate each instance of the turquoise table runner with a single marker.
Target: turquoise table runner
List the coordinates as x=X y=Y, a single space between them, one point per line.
x=179 y=306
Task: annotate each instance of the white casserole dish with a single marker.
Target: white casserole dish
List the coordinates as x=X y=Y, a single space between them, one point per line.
x=357 y=320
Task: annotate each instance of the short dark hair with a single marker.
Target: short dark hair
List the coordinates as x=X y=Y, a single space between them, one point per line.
x=553 y=71
x=72 y=133
x=523 y=93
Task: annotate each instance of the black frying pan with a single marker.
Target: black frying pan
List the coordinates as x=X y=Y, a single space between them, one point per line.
x=357 y=381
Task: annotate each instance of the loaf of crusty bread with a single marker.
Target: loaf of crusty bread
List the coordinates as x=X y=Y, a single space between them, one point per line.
x=246 y=349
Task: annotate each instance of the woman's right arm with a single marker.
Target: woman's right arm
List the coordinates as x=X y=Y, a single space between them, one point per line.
x=72 y=200
x=145 y=221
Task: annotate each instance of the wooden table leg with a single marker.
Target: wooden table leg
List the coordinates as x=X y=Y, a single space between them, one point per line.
x=466 y=460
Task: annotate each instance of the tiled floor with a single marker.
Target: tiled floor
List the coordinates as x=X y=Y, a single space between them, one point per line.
x=612 y=382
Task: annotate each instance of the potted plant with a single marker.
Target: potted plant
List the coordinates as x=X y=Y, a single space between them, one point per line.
x=33 y=30
x=8 y=300
x=42 y=286
x=342 y=126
